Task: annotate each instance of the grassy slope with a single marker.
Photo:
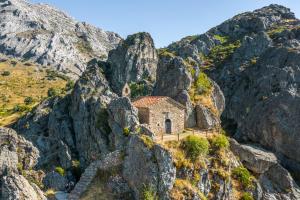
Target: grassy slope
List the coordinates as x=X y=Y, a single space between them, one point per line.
x=25 y=80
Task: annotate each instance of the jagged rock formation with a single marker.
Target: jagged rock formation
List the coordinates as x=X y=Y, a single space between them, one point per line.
x=134 y=60
x=48 y=36
x=253 y=58
x=17 y=156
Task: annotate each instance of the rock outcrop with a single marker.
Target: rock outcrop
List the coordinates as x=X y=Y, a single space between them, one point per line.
x=134 y=60
x=174 y=80
x=148 y=167
x=17 y=155
x=276 y=182
x=45 y=35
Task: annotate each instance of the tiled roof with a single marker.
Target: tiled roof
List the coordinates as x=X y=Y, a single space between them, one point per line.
x=147 y=101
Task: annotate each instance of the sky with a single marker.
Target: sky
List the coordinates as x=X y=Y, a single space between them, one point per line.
x=166 y=20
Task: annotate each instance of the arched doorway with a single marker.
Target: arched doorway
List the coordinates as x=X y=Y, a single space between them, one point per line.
x=168 y=126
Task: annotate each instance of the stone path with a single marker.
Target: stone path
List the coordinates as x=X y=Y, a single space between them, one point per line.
x=111 y=160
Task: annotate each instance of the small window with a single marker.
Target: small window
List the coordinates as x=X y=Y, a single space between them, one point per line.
x=158 y=124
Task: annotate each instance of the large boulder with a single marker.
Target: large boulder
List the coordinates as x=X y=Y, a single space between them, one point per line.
x=134 y=60
x=254 y=158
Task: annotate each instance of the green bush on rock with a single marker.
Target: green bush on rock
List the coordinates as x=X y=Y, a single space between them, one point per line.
x=244 y=176
x=60 y=170
x=195 y=146
x=220 y=142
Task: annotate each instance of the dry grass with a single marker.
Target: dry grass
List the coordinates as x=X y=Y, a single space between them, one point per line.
x=183 y=189
x=23 y=81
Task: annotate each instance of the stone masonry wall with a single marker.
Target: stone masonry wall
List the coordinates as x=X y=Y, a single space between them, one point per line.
x=158 y=115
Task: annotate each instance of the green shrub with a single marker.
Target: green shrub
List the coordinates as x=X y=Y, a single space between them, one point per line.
x=149 y=193
x=222 y=39
x=246 y=196
x=220 y=142
x=126 y=131
x=5 y=73
x=149 y=143
x=203 y=83
x=52 y=92
x=138 y=89
x=195 y=146
x=60 y=170
x=223 y=51
x=244 y=176
x=28 y=100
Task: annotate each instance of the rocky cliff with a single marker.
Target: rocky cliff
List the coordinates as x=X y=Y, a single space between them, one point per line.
x=45 y=35
x=254 y=59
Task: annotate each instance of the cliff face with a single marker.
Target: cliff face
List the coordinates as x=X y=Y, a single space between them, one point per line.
x=254 y=59
x=48 y=36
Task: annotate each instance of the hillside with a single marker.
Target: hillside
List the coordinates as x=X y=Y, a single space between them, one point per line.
x=49 y=37
x=23 y=85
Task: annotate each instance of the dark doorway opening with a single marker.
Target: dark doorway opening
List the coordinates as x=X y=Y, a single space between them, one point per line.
x=168 y=126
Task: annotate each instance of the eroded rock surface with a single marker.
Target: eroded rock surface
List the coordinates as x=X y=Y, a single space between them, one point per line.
x=48 y=36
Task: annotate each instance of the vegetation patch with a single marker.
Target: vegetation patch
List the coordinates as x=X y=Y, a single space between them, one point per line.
x=243 y=176
x=220 y=142
x=149 y=143
x=149 y=193
x=60 y=170
x=183 y=189
x=138 y=89
x=23 y=89
x=221 y=39
x=220 y=53
x=126 y=131
x=194 y=146
x=246 y=196
x=165 y=52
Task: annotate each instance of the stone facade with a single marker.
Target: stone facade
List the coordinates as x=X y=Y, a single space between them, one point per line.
x=163 y=115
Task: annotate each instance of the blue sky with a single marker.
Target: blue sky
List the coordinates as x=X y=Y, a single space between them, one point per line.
x=165 y=20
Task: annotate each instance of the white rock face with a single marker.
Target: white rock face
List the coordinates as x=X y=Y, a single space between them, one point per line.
x=48 y=36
